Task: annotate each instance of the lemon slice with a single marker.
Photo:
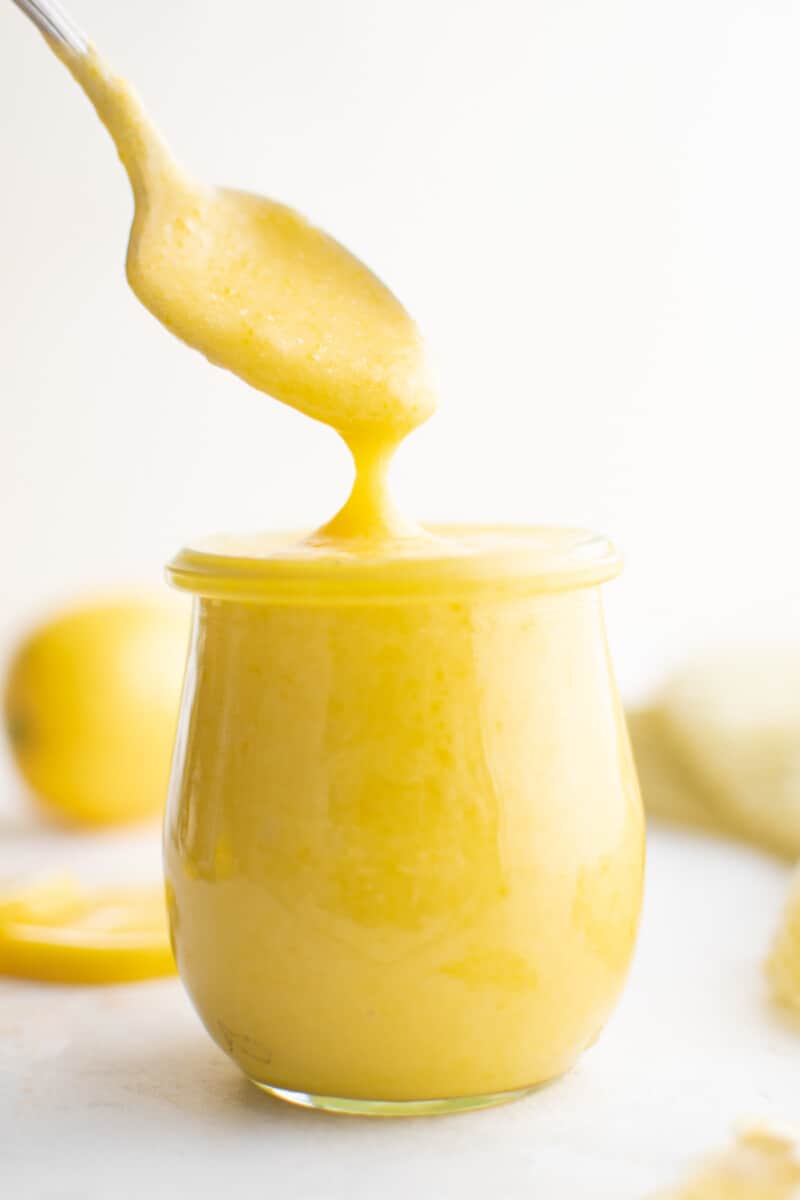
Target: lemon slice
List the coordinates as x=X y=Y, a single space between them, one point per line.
x=56 y=931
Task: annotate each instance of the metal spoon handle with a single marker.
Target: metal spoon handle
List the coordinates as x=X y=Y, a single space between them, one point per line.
x=51 y=21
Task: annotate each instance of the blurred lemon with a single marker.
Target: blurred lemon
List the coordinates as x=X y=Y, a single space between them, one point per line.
x=91 y=707
x=783 y=964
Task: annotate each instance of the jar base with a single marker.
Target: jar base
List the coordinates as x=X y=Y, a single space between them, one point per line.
x=348 y=1106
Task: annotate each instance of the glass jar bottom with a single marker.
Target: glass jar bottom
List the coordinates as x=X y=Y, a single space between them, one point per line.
x=393 y=1108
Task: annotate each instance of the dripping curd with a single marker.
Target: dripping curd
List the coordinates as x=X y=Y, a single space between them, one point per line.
x=260 y=291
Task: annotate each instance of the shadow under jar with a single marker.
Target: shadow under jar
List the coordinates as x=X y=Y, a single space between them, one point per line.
x=404 y=840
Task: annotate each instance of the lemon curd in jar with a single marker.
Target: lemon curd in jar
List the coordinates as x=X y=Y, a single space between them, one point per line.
x=404 y=840
x=403 y=843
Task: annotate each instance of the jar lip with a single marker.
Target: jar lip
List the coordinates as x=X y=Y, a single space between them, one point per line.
x=452 y=560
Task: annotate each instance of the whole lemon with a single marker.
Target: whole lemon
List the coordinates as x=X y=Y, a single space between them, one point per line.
x=91 y=707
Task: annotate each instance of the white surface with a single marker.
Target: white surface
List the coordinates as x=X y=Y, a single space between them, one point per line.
x=591 y=208
x=119 y=1091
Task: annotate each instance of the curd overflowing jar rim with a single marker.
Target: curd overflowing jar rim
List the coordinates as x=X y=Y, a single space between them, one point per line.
x=447 y=561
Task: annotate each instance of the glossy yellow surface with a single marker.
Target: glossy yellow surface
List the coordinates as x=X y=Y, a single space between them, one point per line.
x=56 y=931
x=91 y=705
x=404 y=842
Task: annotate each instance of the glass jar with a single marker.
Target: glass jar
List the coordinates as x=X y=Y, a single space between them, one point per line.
x=404 y=840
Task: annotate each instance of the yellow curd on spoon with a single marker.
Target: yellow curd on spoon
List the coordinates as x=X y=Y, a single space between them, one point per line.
x=260 y=291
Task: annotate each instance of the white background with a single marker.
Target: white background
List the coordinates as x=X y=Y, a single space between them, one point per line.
x=591 y=208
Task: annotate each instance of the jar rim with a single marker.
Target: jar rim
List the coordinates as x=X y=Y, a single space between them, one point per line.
x=453 y=560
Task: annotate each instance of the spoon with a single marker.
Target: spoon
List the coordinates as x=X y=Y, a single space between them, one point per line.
x=250 y=283
x=261 y=292
x=54 y=23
